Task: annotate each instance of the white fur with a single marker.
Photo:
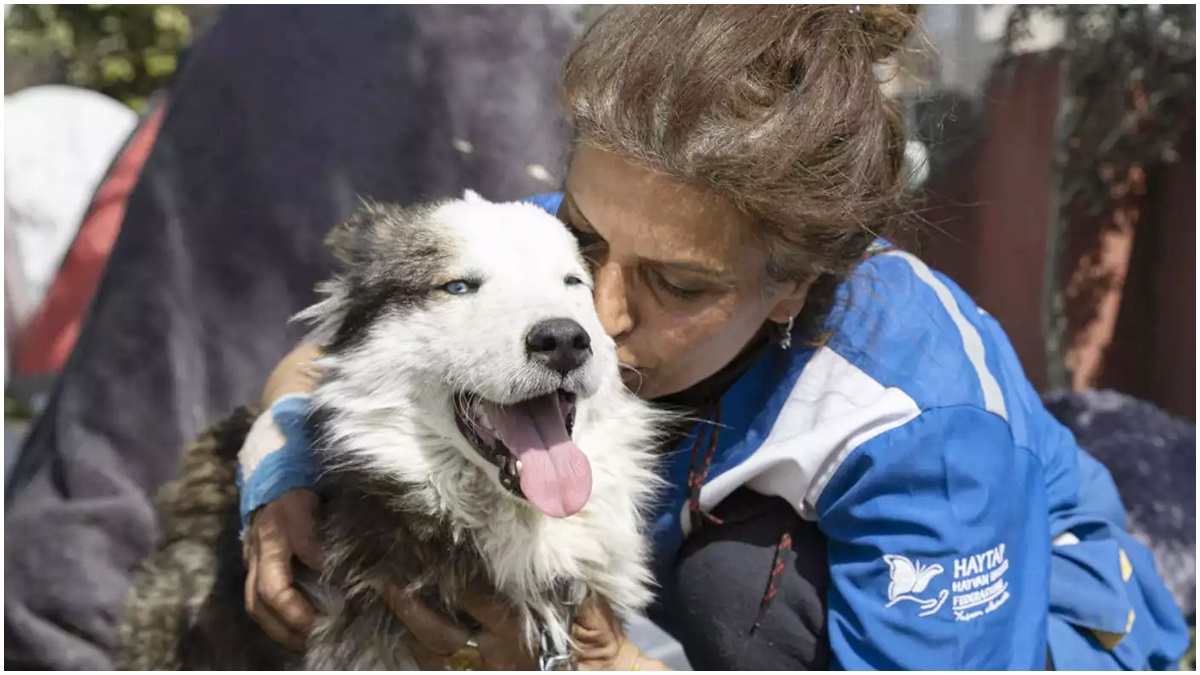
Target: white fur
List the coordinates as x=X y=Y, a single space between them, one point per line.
x=392 y=402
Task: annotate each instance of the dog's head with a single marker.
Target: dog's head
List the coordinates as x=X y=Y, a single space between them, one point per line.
x=480 y=316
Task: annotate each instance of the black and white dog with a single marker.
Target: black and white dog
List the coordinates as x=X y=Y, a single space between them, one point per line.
x=471 y=424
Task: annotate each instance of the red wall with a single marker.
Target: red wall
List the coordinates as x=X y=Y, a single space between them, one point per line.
x=987 y=212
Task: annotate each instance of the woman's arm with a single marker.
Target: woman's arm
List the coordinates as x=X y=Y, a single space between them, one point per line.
x=278 y=505
x=296 y=373
x=277 y=454
x=939 y=548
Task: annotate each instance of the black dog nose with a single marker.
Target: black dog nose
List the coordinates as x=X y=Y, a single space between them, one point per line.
x=562 y=345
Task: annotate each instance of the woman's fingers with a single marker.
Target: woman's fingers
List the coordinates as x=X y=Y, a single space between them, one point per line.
x=481 y=602
x=596 y=618
x=278 y=534
x=302 y=526
x=276 y=589
x=501 y=642
x=433 y=630
x=505 y=651
x=426 y=658
x=308 y=549
x=262 y=614
x=599 y=639
x=275 y=583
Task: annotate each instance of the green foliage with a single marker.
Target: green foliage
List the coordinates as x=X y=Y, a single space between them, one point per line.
x=124 y=51
x=1189 y=659
x=15 y=410
x=1130 y=87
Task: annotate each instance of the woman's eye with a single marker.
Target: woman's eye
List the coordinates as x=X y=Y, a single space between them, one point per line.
x=589 y=243
x=460 y=287
x=685 y=294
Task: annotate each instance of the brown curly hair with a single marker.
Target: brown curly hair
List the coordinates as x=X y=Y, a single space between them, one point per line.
x=773 y=107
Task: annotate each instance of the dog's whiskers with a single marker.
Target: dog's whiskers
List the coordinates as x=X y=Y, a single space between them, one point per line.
x=640 y=374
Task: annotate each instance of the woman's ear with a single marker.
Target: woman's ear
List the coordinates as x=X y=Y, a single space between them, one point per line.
x=789 y=300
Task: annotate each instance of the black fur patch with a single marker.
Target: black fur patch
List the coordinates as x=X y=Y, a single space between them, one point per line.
x=389 y=523
x=390 y=258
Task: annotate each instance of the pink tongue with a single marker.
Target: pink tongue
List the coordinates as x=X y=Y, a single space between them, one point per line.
x=555 y=474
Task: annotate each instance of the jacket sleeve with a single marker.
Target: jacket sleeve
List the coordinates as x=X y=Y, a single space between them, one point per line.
x=938 y=548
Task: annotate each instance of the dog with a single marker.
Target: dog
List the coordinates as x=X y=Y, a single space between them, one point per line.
x=471 y=424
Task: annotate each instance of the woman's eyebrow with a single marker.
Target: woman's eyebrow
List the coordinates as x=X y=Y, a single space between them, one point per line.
x=574 y=209
x=685 y=266
x=690 y=267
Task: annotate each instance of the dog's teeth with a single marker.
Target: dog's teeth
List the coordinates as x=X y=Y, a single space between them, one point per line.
x=519 y=466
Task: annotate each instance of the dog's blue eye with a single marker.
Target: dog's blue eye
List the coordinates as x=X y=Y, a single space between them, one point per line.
x=460 y=287
x=573 y=280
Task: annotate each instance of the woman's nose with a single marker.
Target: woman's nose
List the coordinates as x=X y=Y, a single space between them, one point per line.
x=612 y=300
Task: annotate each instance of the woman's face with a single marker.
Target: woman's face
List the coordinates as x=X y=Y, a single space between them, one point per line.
x=681 y=281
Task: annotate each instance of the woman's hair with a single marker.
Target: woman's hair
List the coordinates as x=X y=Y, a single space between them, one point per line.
x=774 y=107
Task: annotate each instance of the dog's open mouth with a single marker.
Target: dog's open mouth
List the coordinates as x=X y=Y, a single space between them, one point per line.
x=531 y=443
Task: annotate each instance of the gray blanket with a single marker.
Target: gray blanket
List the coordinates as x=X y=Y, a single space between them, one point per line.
x=281 y=119
x=1152 y=458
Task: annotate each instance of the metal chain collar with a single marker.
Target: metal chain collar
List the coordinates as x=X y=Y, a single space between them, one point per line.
x=548 y=657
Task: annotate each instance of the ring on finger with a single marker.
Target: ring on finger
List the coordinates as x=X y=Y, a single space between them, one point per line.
x=466 y=658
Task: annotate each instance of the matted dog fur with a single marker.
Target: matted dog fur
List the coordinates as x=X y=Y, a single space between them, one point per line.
x=460 y=338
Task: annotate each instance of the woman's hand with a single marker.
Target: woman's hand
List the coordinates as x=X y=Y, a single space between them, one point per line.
x=284 y=529
x=600 y=641
x=438 y=642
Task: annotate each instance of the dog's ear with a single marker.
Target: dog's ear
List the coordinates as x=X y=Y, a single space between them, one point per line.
x=349 y=241
x=340 y=243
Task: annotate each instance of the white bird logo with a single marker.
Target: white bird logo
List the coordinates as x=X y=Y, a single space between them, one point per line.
x=910 y=578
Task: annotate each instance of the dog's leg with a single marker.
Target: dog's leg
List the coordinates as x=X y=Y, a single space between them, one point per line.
x=165 y=598
x=186 y=608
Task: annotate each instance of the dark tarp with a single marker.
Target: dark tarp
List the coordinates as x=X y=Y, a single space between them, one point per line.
x=280 y=119
x=1151 y=455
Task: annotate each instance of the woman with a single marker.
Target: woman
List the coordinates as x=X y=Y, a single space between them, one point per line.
x=876 y=484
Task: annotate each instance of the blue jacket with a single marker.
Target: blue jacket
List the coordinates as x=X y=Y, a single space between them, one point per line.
x=967 y=529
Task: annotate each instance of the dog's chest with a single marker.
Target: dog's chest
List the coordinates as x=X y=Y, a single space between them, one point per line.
x=368 y=546
x=382 y=532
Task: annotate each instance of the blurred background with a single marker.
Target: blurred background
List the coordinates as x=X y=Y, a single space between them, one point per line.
x=1053 y=153
x=78 y=80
